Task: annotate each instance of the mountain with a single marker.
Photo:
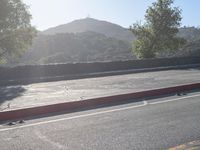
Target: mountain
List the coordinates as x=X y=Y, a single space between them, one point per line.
x=90 y=24
x=91 y=40
x=84 y=40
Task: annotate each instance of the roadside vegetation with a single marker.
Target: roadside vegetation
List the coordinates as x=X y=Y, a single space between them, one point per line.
x=159 y=32
x=16 y=32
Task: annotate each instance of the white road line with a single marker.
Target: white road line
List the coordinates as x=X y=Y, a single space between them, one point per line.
x=96 y=113
x=74 y=117
x=176 y=99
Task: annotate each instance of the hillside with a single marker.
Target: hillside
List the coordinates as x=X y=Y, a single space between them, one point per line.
x=192 y=48
x=81 y=47
x=89 y=24
x=190 y=33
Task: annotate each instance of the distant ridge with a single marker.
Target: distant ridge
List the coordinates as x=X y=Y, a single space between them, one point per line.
x=94 y=25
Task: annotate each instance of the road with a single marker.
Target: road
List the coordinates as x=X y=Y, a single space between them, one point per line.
x=153 y=124
x=20 y=96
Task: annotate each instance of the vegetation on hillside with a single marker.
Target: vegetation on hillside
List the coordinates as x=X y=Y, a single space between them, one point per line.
x=190 y=33
x=81 y=47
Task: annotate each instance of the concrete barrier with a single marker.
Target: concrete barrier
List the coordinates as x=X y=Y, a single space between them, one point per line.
x=91 y=103
x=54 y=70
x=26 y=81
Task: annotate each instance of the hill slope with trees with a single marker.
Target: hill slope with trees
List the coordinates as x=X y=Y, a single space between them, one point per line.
x=90 y=46
x=81 y=47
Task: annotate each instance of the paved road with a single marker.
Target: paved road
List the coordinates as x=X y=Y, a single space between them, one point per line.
x=13 y=97
x=152 y=125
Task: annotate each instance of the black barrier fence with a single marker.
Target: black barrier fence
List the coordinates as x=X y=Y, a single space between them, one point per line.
x=36 y=71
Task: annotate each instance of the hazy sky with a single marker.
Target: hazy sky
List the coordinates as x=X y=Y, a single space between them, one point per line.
x=49 y=13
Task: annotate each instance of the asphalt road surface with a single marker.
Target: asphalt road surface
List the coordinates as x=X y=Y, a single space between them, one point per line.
x=155 y=124
x=20 y=96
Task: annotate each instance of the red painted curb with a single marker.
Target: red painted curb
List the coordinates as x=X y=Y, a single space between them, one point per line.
x=75 y=105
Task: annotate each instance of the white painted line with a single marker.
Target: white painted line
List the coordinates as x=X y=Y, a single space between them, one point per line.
x=145 y=103
x=176 y=99
x=74 y=117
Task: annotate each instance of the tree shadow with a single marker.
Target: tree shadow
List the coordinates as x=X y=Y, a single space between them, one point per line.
x=8 y=93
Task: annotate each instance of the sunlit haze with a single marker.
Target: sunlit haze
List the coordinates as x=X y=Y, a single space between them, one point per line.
x=50 y=13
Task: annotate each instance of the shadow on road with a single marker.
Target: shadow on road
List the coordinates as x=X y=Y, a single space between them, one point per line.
x=8 y=93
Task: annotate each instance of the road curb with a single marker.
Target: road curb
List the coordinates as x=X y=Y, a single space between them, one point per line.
x=89 y=103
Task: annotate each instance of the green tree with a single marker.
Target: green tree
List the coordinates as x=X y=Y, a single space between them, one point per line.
x=16 y=32
x=159 y=32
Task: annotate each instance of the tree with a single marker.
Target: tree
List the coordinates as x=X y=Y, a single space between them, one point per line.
x=16 y=32
x=159 y=32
